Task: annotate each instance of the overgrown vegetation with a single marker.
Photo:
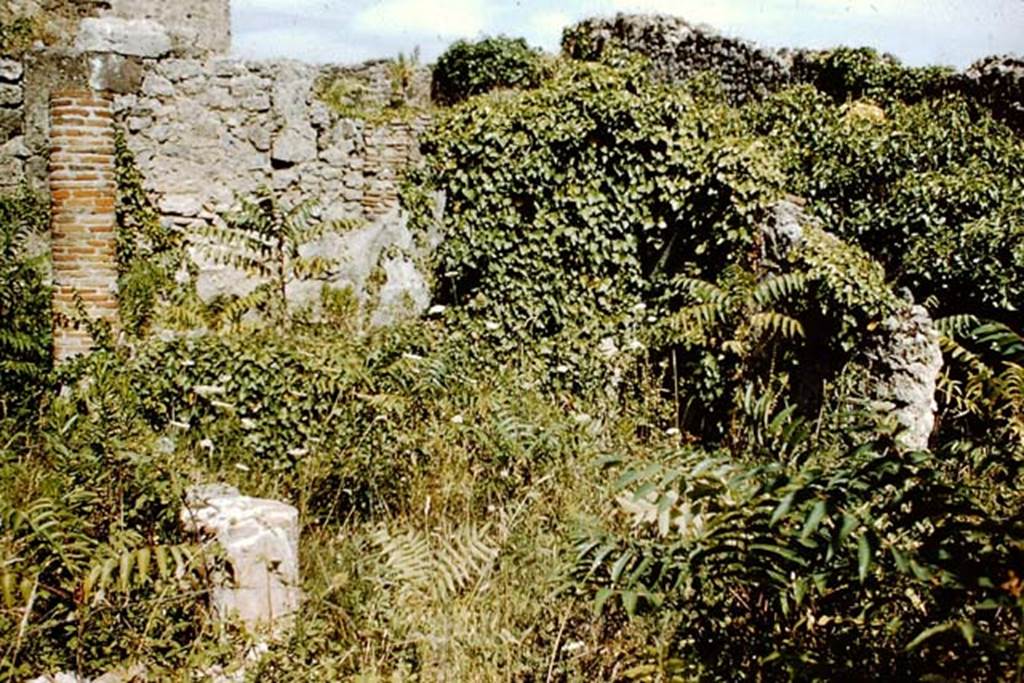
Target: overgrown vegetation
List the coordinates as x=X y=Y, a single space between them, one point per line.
x=473 y=68
x=24 y=302
x=635 y=447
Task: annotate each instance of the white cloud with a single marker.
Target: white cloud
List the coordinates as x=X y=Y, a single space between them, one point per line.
x=452 y=18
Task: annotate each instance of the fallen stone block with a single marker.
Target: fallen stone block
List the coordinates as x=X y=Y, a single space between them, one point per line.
x=260 y=541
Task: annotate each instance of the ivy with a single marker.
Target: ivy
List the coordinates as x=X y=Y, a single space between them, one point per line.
x=575 y=202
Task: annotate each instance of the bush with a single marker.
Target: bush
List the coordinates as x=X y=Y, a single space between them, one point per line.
x=575 y=201
x=467 y=69
x=25 y=316
x=810 y=561
x=930 y=189
x=846 y=74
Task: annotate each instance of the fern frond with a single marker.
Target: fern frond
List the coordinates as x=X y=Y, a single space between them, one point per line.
x=776 y=324
x=778 y=288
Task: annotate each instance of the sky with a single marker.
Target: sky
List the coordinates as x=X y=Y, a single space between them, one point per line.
x=948 y=32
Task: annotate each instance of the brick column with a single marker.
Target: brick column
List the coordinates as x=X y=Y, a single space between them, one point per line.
x=83 y=191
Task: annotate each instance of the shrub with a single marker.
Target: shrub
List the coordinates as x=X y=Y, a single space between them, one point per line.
x=929 y=189
x=846 y=74
x=572 y=202
x=25 y=316
x=811 y=561
x=467 y=69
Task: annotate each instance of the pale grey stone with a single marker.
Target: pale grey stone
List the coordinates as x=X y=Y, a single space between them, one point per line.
x=260 y=541
x=156 y=85
x=15 y=148
x=114 y=73
x=405 y=293
x=134 y=37
x=294 y=145
x=11 y=70
x=181 y=205
x=218 y=98
x=11 y=95
x=180 y=69
x=257 y=102
x=259 y=136
x=138 y=123
x=905 y=363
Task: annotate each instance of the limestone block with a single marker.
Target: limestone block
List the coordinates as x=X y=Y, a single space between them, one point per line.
x=11 y=95
x=15 y=148
x=156 y=85
x=114 y=73
x=260 y=541
x=294 y=145
x=135 y=37
x=906 y=363
x=181 y=205
x=11 y=70
x=259 y=136
x=176 y=70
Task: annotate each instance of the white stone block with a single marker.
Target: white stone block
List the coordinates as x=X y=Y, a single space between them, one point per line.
x=260 y=540
x=132 y=37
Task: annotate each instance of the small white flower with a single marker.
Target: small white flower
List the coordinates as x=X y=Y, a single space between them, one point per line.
x=207 y=444
x=437 y=310
x=672 y=432
x=562 y=369
x=458 y=419
x=640 y=307
x=573 y=646
x=608 y=348
x=248 y=423
x=492 y=326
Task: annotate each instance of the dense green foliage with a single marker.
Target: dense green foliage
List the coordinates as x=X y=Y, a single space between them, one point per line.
x=930 y=189
x=473 y=68
x=585 y=197
x=846 y=74
x=24 y=301
x=639 y=401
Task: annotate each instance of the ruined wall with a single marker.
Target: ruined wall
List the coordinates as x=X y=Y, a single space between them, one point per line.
x=13 y=151
x=195 y=26
x=208 y=132
x=679 y=50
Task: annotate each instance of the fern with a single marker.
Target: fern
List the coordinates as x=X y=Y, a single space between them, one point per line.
x=435 y=566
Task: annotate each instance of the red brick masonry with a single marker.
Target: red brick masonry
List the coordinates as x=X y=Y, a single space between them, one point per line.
x=83 y=191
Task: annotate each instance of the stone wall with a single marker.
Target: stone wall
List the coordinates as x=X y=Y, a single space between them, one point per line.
x=195 y=26
x=206 y=133
x=679 y=50
x=13 y=151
